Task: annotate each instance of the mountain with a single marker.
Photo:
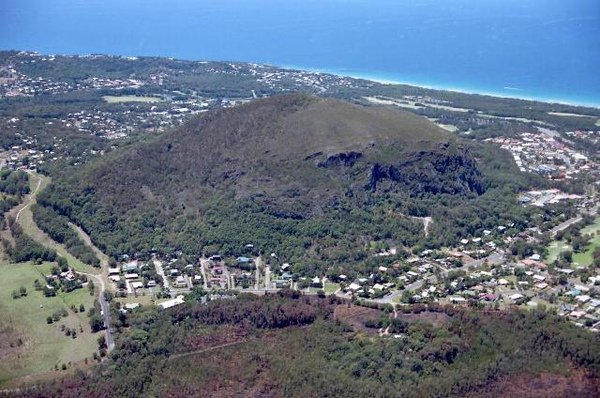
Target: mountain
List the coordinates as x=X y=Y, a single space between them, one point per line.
x=288 y=149
x=288 y=172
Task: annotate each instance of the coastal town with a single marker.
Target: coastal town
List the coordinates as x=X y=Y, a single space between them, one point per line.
x=487 y=270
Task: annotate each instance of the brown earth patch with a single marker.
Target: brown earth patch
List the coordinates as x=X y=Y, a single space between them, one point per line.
x=12 y=343
x=219 y=336
x=356 y=316
x=232 y=372
x=545 y=385
x=437 y=319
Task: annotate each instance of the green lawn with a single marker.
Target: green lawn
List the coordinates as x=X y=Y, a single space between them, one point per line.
x=331 y=288
x=554 y=250
x=585 y=257
x=111 y=99
x=147 y=300
x=581 y=258
x=43 y=345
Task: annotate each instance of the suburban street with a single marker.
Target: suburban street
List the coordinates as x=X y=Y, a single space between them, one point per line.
x=161 y=272
x=257 y=262
x=562 y=226
x=203 y=264
x=110 y=343
x=390 y=298
x=267 y=277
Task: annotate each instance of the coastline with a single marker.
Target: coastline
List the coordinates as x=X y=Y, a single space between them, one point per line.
x=387 y=80
x=381 y=78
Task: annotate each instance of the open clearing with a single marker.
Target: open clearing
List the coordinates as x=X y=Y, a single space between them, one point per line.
x=331 y=288
x=585 y=257
x=554 y=250
x=112 y=99
x=448 y=127
x=31 y=229
x=566 y=114
x=581 y=258
x=41 y=345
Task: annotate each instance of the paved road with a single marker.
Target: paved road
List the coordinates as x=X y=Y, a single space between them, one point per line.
x=492 y=259
x=203 y=264
x=161 y=272
x=562 y=226
x=110 y=342
x=267 y=277
x=257 y=262
x=565 y=225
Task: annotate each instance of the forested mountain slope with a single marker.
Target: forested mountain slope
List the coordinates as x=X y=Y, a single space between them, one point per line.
x=309 y=178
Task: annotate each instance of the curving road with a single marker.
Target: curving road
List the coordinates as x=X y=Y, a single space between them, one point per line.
x=110 y=342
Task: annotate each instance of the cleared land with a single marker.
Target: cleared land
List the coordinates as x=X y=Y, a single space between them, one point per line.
x=449 y=127
x=28 y=344
x=583 y=257
x=331 y=288
x=112 y=99
x=555 y=248
x=566 y=114
x=31 y=229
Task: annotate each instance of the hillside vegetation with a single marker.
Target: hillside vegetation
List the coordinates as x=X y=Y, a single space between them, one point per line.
x=291 y=346
x=313 y=179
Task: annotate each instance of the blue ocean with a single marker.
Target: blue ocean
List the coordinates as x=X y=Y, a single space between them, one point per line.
x=543 y=49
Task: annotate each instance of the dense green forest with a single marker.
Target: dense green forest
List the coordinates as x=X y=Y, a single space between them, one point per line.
x=290 y=345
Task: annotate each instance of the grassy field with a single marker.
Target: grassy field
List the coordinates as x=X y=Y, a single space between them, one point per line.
x=36 y=345
x=581 y=258
x=111 y=99
x=585 y=257
x=31 y=229
x=555 y=248
x=146 y=300
x=331 y=288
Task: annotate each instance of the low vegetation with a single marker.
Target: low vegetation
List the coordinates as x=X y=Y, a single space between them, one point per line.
x=33 y=327
x=289 y=345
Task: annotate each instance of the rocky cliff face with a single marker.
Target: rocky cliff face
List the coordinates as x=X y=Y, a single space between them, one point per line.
x=343 y=159
x=448 y=170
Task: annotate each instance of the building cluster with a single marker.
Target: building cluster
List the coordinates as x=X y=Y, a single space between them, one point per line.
x=546 y=154
x=545 y=197
x=590 y=136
